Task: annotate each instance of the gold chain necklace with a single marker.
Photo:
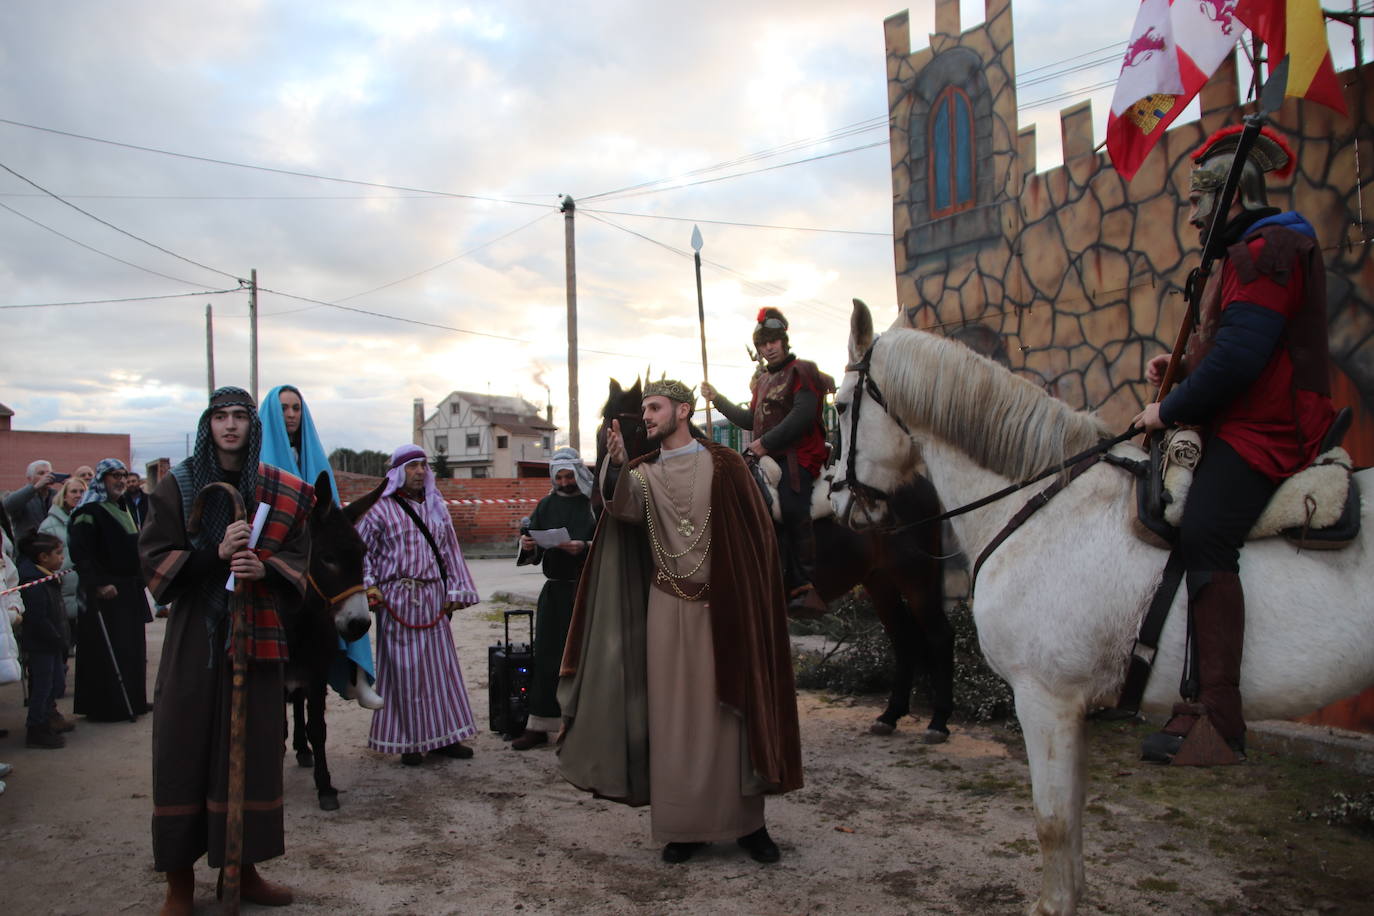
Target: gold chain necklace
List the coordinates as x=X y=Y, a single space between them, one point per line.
x=685 y=527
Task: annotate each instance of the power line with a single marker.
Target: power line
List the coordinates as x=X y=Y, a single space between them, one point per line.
x=459 y=257
x=726 y=222
x=770 y=289
x=1116 y=45
x=106 y=254
x=766 y=168
x=1086 y=90
x=41 y=305
x=264 y=168
x=848 y=130
x=110 y=225
x=448 y=327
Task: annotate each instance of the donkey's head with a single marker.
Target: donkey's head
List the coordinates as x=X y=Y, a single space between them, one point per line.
x=336 y=560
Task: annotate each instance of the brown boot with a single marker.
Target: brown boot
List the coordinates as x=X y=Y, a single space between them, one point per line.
x=42 y=736
x=60 y=723
x=257 y=889
x=1210 y=732
x=806 y=604
x=254 y=888
x=181 y=893
x=529 y=739
x=1219 y=619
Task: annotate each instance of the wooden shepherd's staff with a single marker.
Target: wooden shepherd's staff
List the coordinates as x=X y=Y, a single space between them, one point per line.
x=238 y=710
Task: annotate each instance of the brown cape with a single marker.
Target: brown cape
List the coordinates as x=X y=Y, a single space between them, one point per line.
x=604 y=749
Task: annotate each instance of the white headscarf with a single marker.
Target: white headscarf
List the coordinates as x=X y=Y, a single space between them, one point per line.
x=567 y=459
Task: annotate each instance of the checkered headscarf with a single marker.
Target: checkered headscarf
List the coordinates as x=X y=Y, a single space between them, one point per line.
x=96 y=492
x=202 y=468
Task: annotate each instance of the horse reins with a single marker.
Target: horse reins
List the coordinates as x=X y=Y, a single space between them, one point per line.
x=870 y=493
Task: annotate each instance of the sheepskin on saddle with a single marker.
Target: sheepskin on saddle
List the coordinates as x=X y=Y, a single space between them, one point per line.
x=1318 y=508
x=767 y=472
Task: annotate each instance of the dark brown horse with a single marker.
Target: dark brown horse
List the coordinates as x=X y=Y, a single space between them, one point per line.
x=334 y=606
x=899 y=568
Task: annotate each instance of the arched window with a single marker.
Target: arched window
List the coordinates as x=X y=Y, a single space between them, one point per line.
x=951 y=155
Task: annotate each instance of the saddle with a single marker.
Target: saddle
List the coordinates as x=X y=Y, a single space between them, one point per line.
x=1316 y=509
x=767 y=472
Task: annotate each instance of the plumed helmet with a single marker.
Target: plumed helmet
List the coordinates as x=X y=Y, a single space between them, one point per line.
x=1212 y=161
x=772 y=325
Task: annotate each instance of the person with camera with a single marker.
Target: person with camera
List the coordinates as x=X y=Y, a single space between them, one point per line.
x=28 y=505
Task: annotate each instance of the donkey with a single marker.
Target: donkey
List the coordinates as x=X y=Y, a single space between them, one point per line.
x=1059 y=602
x=900 y=570
x=335 y=605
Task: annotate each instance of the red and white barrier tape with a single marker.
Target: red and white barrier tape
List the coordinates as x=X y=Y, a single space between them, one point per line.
x=505 y=501
x=20 y=588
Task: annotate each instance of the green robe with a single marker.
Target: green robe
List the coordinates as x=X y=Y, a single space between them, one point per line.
x=554 y=612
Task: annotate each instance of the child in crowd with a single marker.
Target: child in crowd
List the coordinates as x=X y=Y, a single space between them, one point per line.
x=46 y=638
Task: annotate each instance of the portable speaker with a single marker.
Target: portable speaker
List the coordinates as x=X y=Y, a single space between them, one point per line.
x=509 y=670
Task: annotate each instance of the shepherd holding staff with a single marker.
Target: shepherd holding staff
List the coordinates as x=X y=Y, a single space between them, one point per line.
x=187 y=564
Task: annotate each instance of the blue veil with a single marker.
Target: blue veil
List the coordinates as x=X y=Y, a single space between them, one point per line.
x=276 y=445
x=276 y=451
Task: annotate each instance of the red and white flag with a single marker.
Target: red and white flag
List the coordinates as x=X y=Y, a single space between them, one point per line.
x=1175 y=47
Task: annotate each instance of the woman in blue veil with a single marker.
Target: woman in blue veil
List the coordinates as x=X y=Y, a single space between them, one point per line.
x=290 y=442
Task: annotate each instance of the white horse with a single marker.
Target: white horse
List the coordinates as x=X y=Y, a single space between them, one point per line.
x=1058 y=604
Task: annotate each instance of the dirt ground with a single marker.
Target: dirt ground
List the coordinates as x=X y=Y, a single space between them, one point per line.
x=884 y=825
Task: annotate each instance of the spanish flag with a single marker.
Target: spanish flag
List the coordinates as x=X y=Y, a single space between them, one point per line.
x=1298 y=29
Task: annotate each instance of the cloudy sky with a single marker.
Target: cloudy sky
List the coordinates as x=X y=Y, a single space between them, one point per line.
x=457 y=127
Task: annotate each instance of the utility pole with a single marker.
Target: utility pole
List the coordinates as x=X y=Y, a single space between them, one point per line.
x=574 y=437
x=253 y=336
x=210 y=347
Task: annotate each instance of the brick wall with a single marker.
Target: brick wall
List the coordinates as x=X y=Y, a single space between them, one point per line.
x=66 y=451
x=482 y=527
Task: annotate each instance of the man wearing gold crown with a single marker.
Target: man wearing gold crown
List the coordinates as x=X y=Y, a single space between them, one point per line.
x=784 y=415
x=1257 y=383
x=676 y=685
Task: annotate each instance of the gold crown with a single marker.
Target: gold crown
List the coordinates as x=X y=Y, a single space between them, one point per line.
x=671 y=389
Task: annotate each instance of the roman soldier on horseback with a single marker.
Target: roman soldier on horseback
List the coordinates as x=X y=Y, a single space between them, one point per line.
x=784 y=414
x=1257 y=384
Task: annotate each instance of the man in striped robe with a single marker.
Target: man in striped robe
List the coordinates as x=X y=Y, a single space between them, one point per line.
x=191 y=700
x=416 y=579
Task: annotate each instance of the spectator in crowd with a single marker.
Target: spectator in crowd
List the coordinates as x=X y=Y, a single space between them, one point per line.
x=73 y=490
x=45 y=639
x=135 y=500
x=113 y=651
x=28 y=505
x=86 y=473
x=11 y=613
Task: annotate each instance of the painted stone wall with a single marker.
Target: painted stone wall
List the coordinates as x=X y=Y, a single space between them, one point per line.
x=1073 y=277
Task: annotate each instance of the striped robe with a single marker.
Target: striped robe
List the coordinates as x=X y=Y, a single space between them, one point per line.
x=418 y=675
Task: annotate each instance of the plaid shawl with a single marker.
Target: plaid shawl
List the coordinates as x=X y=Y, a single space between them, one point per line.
x=289 y=500
x=166 y=551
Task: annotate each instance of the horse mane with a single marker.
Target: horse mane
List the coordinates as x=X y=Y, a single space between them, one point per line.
x=1004 y=422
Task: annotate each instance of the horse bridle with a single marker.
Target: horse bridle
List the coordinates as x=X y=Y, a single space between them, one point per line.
x=863 y=492
x=338 y=599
